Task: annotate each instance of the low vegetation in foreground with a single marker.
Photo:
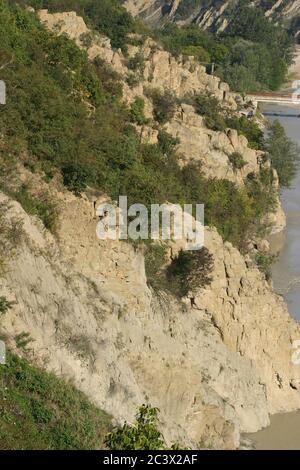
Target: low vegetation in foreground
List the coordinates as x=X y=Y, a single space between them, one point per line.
x=141 y=435
x=39 y=411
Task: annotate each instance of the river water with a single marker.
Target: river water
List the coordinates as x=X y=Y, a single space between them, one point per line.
x=286 y=271
x=284 y=430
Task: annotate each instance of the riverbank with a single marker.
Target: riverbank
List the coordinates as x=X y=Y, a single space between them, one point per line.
x=283 y=431
x=282 y=434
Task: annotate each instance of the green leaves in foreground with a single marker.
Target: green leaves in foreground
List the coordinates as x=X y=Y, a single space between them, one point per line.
x=142 y=435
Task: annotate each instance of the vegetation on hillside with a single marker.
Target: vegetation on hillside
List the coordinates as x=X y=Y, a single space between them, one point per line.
x=48 y=124
x=219 y=119
x=105 y=16
x=187 y=271
x=251 y=54
x=39 y=411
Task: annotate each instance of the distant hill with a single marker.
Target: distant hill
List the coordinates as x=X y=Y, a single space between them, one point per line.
x=212 y=14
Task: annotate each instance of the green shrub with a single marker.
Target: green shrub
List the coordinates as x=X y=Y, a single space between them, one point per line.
x=187 y=271
x=209 y=107
x=136 y=63
x=137 y=111
x=142 y=435
x=236 y=160
x=164 y=105
x=190 y=270
x=166 y=142
x=264 y=262
x=75 y=177
x=198 y=52
x=249 y=128
x=5 y=305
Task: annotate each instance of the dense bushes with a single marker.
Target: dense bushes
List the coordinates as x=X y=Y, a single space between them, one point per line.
x=252 y=53
x=209 y=107
x=249 y=128
x=75 y=177
x=137 y=111
x=264 y=262
x=106 y=16
x=63 y=112
x=5 y=305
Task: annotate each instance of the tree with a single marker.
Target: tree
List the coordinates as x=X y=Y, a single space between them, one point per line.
x=283 y=152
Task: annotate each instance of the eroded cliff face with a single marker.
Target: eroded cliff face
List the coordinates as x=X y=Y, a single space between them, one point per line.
x=217 y=362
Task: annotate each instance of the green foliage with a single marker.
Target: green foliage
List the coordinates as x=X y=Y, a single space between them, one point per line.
x=23 y=340
x=236 y=160
x=187 y=271
x=142 y=435
x=190 y=270
x=218 y=119
x=75 y=177
x=155 y=261
x=209 y=107
x=198 y=52
x=252 y=53
x=166 y=142
x=5 y=305
x=106 y=16
x=264 y=262
x=164 y=105
x=137 y=111
x=249 y=128
x=136 y=63
x=283 y=152
x=39 y=411
x=42 y=207
x=65 y=114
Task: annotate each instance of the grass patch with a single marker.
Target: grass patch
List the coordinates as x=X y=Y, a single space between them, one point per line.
x=42 y=207
x=40 y=411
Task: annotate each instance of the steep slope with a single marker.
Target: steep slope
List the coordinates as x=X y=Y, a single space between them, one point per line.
x=215 y=366
x=40 y=411
x=217 y=361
